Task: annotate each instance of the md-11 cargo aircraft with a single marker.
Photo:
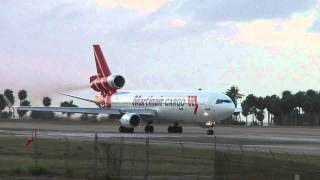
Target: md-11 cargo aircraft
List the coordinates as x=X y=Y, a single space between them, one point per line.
x=204 y=108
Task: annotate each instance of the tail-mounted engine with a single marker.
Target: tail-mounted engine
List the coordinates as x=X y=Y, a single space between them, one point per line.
x=112 y=82
x=104 y=81
x=130 y=120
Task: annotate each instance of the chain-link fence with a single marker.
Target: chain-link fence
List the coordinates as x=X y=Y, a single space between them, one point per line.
x=147 y=158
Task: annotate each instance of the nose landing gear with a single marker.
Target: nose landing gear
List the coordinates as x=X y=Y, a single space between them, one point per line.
x=210 y=132
x=210 y=126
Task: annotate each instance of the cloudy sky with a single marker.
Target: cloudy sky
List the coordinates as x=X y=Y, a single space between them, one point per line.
x=264 y=46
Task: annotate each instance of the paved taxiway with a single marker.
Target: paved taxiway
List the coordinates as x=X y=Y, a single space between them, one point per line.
x=278 y=139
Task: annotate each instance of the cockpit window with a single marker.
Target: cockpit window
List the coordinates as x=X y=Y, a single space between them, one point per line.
x=220 y=101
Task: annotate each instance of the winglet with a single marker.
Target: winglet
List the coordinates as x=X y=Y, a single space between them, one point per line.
x=101 y=64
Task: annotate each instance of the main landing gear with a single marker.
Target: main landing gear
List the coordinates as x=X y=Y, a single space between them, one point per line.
x=126 y=130
x=175 y=128
x=148 y=128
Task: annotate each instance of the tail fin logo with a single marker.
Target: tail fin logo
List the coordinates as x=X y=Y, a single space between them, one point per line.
x=101 y=64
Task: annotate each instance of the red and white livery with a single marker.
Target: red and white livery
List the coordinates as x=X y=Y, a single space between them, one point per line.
x=204 y=108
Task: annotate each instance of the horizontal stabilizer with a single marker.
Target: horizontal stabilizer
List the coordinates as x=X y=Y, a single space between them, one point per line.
x=77 y=97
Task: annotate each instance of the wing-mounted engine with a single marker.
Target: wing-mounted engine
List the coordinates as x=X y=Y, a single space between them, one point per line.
x=130 y=120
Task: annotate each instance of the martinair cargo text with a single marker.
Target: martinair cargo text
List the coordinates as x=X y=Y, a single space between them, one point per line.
x=204 y=108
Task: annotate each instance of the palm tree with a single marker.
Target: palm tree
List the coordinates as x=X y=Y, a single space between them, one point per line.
x=46 y=101
x=260 y=103
x=260 y=116
x=267 y=101
x=21 y=113
x=245 y=111
x=3 y=103
x=234 y=94
x=8 y=93
x=311 y=93
x=272 y=105
x=307 y=106
x=22 y=95
x=288 y=103
x=68 y=104
x=251 y=102
x=300 y=98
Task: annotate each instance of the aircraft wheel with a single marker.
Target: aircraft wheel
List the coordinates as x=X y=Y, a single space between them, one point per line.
x=125 y=130
x=179 y=129
x=121 y=129
x=210 y=132
x=148 y=129
x=174 y=129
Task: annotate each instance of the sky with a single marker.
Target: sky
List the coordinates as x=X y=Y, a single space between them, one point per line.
x=263 y=47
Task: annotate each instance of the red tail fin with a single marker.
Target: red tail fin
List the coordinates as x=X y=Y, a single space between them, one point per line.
x=102 y=66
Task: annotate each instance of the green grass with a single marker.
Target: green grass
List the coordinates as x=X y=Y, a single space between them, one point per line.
x=55 y=157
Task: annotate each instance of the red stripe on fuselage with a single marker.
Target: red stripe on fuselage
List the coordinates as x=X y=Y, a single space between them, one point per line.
x=193 y=101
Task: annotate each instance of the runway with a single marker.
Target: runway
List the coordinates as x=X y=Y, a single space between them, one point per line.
x=278 y=139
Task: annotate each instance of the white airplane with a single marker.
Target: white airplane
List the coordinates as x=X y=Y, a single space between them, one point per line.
x=204 y=108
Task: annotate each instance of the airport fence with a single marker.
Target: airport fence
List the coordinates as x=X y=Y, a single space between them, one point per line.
x=98 y=157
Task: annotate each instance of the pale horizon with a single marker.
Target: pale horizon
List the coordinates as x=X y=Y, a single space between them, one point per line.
x=264 y=49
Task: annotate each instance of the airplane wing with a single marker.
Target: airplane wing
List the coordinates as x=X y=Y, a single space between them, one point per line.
x=145 y=112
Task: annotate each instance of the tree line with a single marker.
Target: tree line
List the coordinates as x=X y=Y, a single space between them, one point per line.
x=301 y=108
x=289 y=109
x=8 y=95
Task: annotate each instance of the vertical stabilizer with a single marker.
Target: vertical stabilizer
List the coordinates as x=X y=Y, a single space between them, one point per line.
x=101 y=64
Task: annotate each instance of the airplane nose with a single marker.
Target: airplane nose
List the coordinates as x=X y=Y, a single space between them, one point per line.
x=231 y=108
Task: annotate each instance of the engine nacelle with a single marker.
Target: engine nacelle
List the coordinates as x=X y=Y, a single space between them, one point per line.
x=130 y=120
x=115 y=81
x=105 y=84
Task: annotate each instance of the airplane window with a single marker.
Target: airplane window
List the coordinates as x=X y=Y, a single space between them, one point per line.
x=227 y=101
x=220 y=101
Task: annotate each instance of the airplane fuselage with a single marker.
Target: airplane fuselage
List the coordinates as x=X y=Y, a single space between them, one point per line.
x=177 y=106
x=199 y=107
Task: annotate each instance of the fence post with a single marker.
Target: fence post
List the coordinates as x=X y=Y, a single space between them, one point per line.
x=183 y=157
x=214 y=155
x=67 y=154
x=146 y=162
x=35 y=148
x=120 y=158
x=215 y=143
x=95 y=151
